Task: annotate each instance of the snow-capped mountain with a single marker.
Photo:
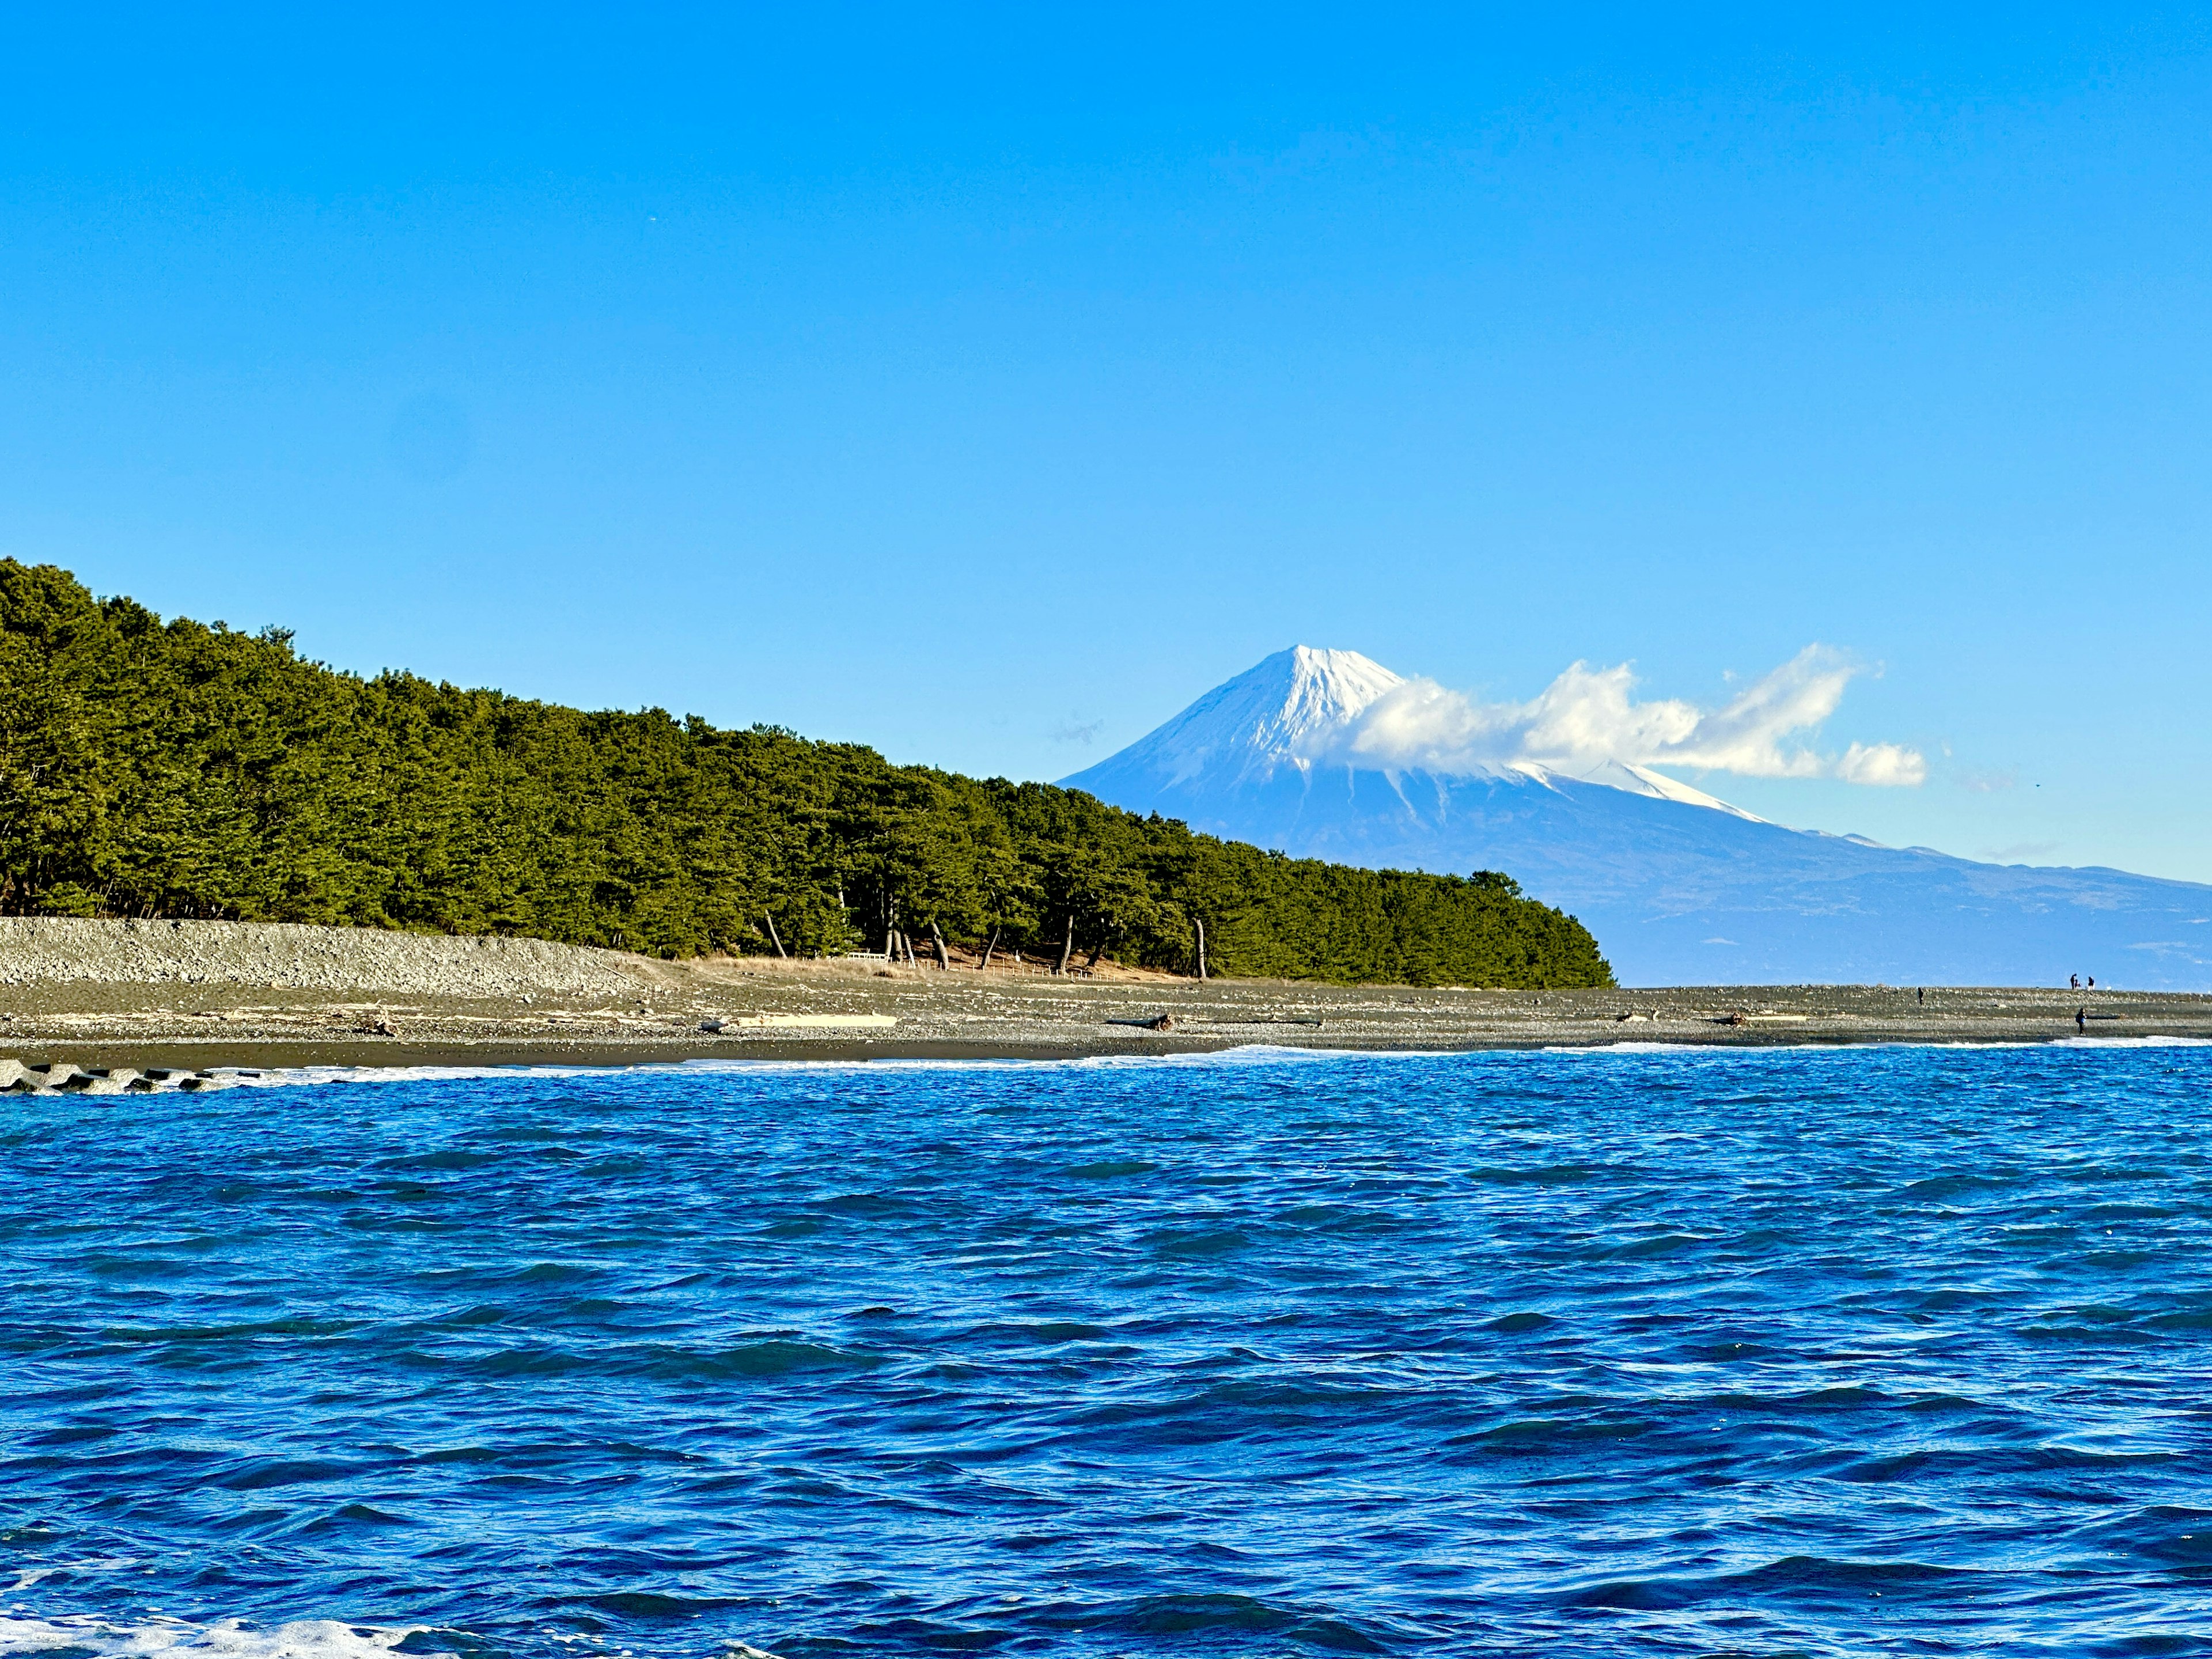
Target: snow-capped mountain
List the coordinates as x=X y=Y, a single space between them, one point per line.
x=1279 y=714
x=1679 y=888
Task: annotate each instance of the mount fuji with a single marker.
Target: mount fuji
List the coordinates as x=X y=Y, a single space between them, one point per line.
x=1679 y=888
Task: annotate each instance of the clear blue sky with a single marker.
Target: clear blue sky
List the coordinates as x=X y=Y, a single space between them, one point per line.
x=975 y=384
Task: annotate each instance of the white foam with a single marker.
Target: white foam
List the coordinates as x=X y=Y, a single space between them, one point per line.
x=1747 y=1048
x=2135 y=1042
x=26 y=1577
x=1255 y=1054
x=1655 y=1047
x=159 y=1637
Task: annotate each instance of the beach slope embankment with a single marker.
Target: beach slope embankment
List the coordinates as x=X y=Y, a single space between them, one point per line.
x=61 y=951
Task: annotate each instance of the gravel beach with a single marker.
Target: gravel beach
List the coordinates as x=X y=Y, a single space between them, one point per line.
x=203 y=996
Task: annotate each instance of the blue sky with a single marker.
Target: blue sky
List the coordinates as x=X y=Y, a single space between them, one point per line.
x=984 y=386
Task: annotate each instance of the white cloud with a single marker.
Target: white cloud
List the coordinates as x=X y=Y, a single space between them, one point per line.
x=1988 y=783
x=1885 y=765
x=1588 y=716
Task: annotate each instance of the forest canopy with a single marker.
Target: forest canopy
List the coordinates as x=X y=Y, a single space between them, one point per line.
x=153 y=768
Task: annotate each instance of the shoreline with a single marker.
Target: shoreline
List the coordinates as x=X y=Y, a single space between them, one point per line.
x=202 y=995
x=286 y=1057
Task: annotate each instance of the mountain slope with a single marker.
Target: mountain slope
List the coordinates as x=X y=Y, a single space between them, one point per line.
x=1678 y=887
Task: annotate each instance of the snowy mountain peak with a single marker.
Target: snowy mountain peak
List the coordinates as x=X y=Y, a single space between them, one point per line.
x=1283 y=708
x=1299 y=713
x=1322 y=692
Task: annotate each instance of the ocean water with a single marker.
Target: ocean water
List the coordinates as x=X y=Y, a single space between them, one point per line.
x=1773 y=1352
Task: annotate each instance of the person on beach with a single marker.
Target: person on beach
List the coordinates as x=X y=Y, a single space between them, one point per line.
x=2073 y=981
x=2093 y=982
x=2082 y=1020
x=1921 y=996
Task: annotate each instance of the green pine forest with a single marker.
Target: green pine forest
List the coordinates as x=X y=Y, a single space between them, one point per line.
x=183 y=769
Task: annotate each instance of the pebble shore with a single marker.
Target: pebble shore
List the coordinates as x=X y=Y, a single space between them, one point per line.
x=134 y=1007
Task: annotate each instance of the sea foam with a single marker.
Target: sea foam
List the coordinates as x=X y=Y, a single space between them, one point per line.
x=159 y=1637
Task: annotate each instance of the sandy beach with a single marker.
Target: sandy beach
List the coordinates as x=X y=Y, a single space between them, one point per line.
x=198 y=996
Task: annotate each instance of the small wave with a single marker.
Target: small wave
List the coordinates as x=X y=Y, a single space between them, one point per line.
x=1797 y=1578
x=774 y=1358
x=1236 y=1409
x=1218 y=1617
x=1113 y=1169
x=258 y=1473
x=1210 y=1241
x=228 y=1638
x=2152 y=1042
x=1749 y=1050
x=1516 y=1324
x=1548 y=1175
x=1932 y=1189
x=1658 y=1047
x=656 y=1604
x=1255 y=1053
x=27 y=1578
x=1051 y=1333
x=777 y=1357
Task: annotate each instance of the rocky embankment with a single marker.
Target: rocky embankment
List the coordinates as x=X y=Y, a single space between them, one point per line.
x=275 y=955
x=115 y=1007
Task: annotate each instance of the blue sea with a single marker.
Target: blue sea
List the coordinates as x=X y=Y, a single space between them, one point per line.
x=1849 y=1351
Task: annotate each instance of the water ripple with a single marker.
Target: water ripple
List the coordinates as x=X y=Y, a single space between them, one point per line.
x=1645 y=1352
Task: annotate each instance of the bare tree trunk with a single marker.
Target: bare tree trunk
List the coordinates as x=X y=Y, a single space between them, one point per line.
x=944 y=956
x=890 y=931
x=906 y=944
x=1200 y=926
x=1097 y=951
x=772 y=938
x=988 y=949
x=1067 y=946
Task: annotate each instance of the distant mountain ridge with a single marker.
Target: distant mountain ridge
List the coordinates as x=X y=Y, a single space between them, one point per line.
x=1679 y=888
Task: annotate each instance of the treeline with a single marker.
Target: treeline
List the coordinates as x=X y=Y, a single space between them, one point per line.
x=152 y=769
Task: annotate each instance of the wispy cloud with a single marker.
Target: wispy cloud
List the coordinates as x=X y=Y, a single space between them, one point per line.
x=2023 y=851
x=1080 y=732
x=1590 y=716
